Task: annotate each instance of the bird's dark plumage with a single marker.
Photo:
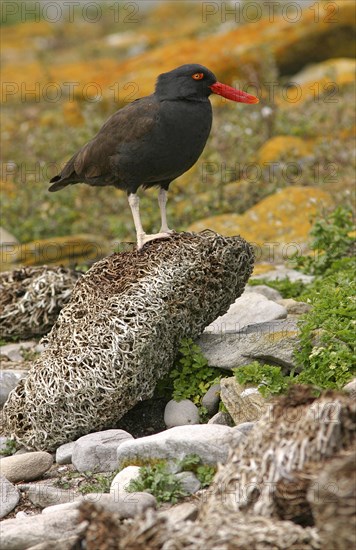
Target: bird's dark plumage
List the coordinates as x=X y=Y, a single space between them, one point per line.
x=151 y=141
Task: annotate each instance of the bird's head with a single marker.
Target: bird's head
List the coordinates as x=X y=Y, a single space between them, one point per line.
x=196 y=82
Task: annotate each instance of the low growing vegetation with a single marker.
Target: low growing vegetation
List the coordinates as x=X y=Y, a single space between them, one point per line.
x=326 y=355
x=158 y=479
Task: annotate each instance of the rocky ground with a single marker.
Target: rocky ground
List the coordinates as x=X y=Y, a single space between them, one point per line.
x=43 y=492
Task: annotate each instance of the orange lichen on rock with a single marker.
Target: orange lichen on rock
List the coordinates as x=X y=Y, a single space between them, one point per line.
x=228 y=53
x=319 y=81
x=278 y=146
x=283 y=218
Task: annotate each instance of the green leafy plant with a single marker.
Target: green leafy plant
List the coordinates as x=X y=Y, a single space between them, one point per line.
x=192 y=377
x=204 y=472
x=159 y=481
x=10 y=448
x=96 y=483
x=288 y=289
x=327 y=337
x=331 y=241
x=269 y=379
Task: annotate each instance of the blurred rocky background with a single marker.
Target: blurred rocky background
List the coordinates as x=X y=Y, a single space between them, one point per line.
x=268 y=170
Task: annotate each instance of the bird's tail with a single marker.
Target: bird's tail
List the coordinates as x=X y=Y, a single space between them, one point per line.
x=58 y=183
x=66 y=177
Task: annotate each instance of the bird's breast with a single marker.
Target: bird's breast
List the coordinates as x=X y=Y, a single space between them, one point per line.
x=172 y=146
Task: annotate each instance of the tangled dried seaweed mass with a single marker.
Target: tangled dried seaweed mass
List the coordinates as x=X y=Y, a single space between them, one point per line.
x=120 y=333
x=32 y=297
x=270 y=473
x=300 y=437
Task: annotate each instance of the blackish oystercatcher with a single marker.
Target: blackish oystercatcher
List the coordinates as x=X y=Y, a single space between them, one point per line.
x=151 y=141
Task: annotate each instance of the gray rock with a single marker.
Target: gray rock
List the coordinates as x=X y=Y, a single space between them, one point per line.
x=96 y=452
x=8 y=381
x=9 y=496
x=211 y=399
x=129 y=506
x=294 y=307
x=351 y=388
x=43 y=495
x=122 y=480
x=274 y=342
x=7 y=239
x=26 y=466
x=243 y=404
x=180 y=413
x=61 y=544
x=21 y=534
x=282 y=272
x=250 y=308
x=209 y=441
x=223 y=418
x=125 y=506
x=190 y=483
x=267 y=291
x=21 y=515
x=14 y=352
x=74 y=505
x=187 y=511
x=64 y=453
x=245 y=427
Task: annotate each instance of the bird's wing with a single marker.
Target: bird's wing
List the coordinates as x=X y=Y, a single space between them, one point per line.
x=125 y=126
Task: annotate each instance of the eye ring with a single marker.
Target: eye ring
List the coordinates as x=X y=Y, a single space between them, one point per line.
x=198 y=76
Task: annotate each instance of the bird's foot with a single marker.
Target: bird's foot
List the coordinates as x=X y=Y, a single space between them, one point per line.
x=167 y=230
x=143 y=238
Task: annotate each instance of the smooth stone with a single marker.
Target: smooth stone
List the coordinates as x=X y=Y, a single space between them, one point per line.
x=267 y=291
x=43 y=495
x=21 y=515
x=210 y=441
x=14 y=352
x=26 y=466
x=9 y=496
x=281 y=272
x=7 y=238
x=250 y=308
x=8 y=381
x=294 y=307
x=245 y=427
x=125 y=505
x=70 y=505
x=61 y=544
x=64 y=453
x=131 y=505
x=211 y=399
x=273 y=341
x=351 y=387
x=96 y=452
x=21 y=534
x=186 y=511
x=122 y=480
x=244 y=405
x=222 y=418
x=190 y=483
x=180 y=413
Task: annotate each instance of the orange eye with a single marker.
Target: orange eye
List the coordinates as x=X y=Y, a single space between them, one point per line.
x=198 y=76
